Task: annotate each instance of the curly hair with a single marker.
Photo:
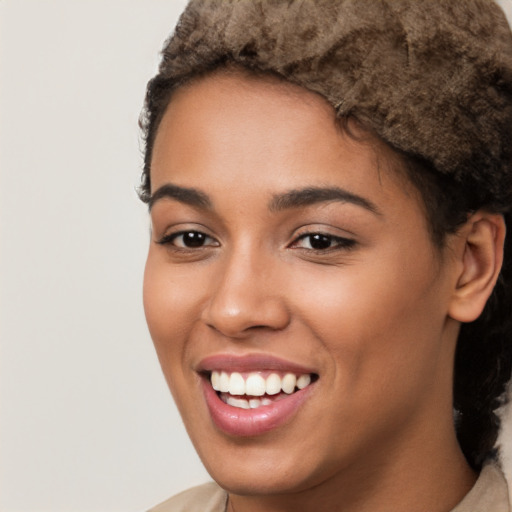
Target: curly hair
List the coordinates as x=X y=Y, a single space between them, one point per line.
x=432 y=79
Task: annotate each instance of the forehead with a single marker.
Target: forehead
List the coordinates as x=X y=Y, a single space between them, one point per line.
x=235 y=128
x=232 y=107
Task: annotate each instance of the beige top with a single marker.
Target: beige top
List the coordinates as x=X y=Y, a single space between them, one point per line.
x=489 y=494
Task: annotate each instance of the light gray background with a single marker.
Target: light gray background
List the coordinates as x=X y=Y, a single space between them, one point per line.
x=86 y=421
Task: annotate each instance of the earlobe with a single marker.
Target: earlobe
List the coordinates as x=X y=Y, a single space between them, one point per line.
x=481 y=259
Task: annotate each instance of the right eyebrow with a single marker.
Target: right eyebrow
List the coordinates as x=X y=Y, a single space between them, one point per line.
x=299 y=198
x=190 y=196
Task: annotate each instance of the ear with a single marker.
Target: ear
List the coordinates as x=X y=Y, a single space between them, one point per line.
x=480 y=254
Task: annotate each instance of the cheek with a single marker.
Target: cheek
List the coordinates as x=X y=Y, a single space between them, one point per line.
x=170 y=303
x=380 y=323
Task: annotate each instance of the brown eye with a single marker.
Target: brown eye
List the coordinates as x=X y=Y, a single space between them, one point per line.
x=323 y=242
x=188 y=240
x=192 y=239
x=319 y=242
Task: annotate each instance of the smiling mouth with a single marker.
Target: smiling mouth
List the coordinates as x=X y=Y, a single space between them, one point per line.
x=257 y=389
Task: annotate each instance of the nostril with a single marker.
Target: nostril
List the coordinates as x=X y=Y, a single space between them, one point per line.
x=243 y=322
x=241 y=303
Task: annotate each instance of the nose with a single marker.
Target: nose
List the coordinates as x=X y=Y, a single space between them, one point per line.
x=246 y=296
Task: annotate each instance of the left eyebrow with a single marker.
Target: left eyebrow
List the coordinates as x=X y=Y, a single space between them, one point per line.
x=313 y=195
x=190 y=196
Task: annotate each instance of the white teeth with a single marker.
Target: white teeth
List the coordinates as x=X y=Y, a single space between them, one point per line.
x=289 y=382
x=273 y=384
x=254 y=403
x=303 y=381
x=224 y=382
x=238 y=402
x=255 y=385
x=266 y=401
x=215 y=381
x=236 y=384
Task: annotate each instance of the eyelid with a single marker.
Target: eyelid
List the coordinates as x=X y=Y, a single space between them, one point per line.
x=169 y=237
x=342 y=243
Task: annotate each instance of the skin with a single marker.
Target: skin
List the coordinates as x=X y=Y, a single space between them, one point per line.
x=377 y=318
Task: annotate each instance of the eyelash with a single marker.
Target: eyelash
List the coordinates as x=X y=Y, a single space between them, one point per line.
x=171 y=238
x=337 y=243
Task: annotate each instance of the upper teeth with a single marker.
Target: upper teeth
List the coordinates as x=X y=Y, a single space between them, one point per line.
x=254 y=384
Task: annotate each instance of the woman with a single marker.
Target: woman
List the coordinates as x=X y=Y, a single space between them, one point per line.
x=329 y=185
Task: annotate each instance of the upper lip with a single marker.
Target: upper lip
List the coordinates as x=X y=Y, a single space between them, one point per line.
x=250 y=362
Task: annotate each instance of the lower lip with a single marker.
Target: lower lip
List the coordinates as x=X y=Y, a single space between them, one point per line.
x=252 y=422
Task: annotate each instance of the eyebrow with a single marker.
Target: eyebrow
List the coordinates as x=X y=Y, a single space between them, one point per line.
x=190 y=196
x=313 y=195
x=288 y=200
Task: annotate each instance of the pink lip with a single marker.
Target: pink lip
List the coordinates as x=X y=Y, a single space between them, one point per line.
x=235 y=421
x=248 y=363
x=252 y=422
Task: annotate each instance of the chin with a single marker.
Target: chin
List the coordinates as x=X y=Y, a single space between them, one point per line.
x=270 y=465
x=270 y=480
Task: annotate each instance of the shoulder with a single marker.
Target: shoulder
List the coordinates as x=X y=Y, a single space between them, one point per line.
x=203 y=498
x=489 y=494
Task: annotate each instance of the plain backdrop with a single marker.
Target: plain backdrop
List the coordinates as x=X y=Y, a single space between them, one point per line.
x=86 y=421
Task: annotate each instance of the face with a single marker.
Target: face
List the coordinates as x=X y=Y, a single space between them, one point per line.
x=291 y=265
